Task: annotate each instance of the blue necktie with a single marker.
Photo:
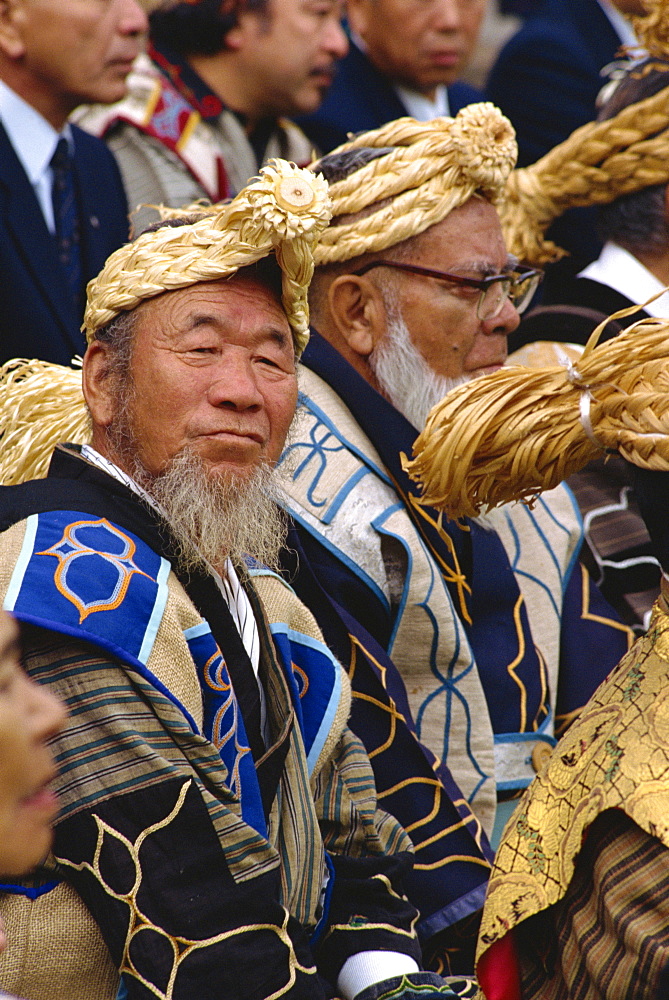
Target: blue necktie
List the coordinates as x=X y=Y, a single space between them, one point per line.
x=66 y=217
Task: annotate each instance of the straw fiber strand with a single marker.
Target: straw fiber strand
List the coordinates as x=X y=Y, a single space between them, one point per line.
x=598 y=163
x=41 y=405
x=430 y=169
x=515 y=432
x=282 y=210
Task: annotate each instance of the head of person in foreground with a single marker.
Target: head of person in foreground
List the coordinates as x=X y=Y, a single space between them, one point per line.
x=190 y=375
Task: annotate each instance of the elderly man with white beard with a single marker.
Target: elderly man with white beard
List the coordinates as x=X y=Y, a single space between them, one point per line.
x=219 y=835
x=469 y=643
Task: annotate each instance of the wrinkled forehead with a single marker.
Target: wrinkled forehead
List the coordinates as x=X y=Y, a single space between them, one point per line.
x=243 y=303
x=470 y=234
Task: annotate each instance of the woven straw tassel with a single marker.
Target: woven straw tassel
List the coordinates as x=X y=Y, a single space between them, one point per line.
x=515 y=432
x=41 y=405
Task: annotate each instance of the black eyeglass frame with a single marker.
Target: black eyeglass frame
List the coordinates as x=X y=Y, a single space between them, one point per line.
x=519 y=274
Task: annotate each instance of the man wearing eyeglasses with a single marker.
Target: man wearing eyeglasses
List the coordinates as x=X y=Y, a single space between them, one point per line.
x=463 y=643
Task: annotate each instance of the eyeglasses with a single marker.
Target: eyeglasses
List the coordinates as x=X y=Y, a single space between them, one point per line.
x=518 y=285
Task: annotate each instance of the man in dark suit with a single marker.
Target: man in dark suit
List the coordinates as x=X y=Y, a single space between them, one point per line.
x=62 y=206
x=405 y=59
x=546 y=80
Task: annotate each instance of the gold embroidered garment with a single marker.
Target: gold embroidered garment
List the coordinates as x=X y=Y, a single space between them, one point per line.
x=616 y=756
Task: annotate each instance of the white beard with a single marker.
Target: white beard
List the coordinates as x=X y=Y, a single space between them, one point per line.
x=213 y=516
x=404 y=375
x=412 y=387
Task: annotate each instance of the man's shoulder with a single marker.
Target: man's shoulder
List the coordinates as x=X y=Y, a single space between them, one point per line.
x=460 y=94
x=563 y=31
x=323 y=412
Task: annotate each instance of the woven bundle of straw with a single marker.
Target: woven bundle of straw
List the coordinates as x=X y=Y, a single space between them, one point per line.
x=41 y=404
x=430 y=169
x=598 y=163
x=515 y=432
x=282 y=210
x=652 y=29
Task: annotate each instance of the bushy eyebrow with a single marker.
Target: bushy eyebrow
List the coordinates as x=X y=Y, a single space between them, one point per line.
x=486 y=269
x=274 y=333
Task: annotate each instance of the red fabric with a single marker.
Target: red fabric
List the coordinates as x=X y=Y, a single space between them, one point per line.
x=498 y=972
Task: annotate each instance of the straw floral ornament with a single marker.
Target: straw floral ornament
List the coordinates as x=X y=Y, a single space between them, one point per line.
x=283 y=210
x=517 y=431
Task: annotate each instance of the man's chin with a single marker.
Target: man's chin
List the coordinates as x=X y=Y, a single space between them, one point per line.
x=229 y=472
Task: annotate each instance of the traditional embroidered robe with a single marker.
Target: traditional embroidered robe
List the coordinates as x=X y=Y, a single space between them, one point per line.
x=208 y=870
x=614 y=757
x=459 y=615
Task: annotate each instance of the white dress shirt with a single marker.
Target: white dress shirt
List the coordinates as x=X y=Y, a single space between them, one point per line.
x=622 y=27
x=618 y=269
x=421 y=107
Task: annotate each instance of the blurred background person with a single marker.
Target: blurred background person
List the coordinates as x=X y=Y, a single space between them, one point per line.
x=62 y=206
x=206 y=103
x=405 y=58
x=546 y=80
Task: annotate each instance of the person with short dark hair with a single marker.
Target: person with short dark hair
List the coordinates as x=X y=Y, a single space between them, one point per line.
x=206 y=105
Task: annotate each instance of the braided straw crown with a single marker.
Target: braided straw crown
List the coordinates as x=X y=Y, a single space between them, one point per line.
x=515 y=432
x=283 y=210
x=432 y=168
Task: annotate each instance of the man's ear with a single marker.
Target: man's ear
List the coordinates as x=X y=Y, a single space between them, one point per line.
x=357 y=310
x=249 y=25
x=11 y=38
x=96 y=384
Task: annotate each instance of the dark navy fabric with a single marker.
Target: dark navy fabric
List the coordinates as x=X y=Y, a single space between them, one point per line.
x=38 y=318
x=361 y=98
x=547 y=76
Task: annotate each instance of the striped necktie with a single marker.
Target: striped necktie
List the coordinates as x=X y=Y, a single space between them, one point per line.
x=66 y=217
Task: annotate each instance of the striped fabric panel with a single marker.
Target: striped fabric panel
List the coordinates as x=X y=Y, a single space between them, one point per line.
x=346 y=798
x=122 y=735
x=610 y=932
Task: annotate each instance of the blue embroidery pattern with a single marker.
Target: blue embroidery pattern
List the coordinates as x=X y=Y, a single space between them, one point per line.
x=110 y=549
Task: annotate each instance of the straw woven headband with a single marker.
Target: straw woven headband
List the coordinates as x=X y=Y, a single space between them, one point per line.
x=283 y=211
x=432 y=168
